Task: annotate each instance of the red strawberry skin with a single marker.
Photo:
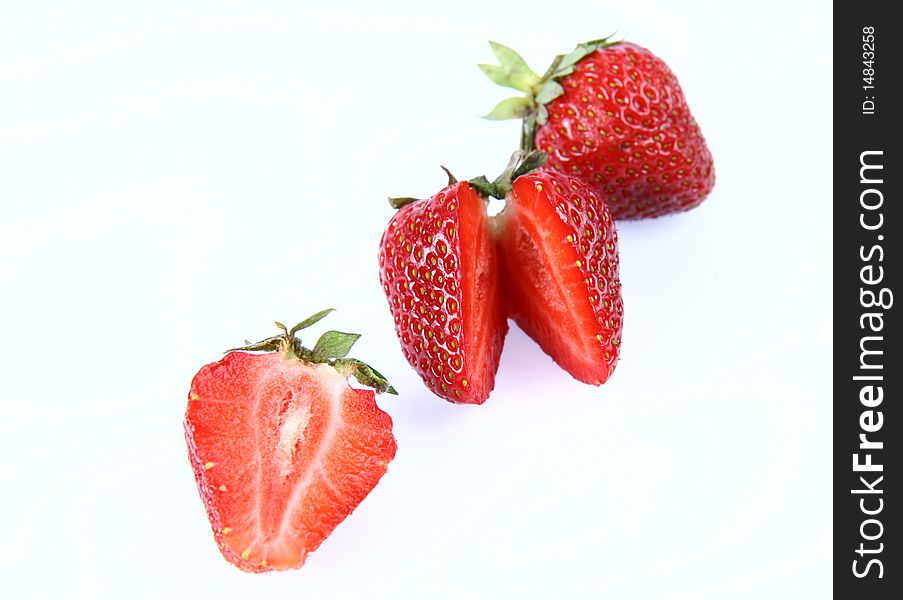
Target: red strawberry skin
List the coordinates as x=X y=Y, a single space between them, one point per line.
x=623 y=125
x=560 y=256
x=439 y=270
x=282 y=452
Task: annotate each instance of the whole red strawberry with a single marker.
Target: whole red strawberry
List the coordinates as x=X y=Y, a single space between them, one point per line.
x=556 y=275
x=282 y=448
x=439 y=270
x=614 y=115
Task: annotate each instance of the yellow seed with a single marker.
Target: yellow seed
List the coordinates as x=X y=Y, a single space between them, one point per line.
x=538 y=187
x=579 y=263
x=208 y=465
x=193 y=396
x=599 y=336
x=227 y=530
x=263 y=563
x=222 y=488
x=245 y=555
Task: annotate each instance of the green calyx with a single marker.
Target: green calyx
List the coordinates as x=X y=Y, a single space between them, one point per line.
x=521 y=163
x=331 y=348
x=397 y=203
x=513 y=72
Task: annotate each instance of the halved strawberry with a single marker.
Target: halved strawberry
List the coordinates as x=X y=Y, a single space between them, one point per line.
x=282 y=448
x=439 y=270
x=560 y=255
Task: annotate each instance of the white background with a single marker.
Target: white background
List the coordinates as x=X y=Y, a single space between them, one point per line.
x=175 y=176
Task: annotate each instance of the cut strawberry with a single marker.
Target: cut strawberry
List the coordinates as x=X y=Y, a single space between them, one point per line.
x=282 y=448
x=549 y=261
x=439 y=270
x=559 y=248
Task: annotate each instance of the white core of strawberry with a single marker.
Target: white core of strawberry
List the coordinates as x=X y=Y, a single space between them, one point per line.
x=334 y=386
x=291 y=433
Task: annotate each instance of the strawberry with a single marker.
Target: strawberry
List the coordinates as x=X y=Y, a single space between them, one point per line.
x=439 y=270
x=612 y=114
x=560 y=254
x=558 y=280
x=282 y=448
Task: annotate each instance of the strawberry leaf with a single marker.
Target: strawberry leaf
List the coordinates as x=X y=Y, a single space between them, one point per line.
x=511 y=108
x=365 y=374
x=550 y=90
x=565 y=66
x=542 y=116
x=496 y=73
x=451 y=178
x=333 y=344
x=512 y=71
x=271 y=344
x=307 y=322
x=532 y=161
x=399 y=202
x=483 y=186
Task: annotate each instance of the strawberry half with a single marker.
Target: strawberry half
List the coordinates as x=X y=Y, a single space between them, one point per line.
x=556 y=275
x=612 y=114
x=439 y=270
x=560 y=252
x=282 y=448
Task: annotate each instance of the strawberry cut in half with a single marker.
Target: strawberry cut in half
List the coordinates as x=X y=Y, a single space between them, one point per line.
x=439 y=270
x=282 y=448
x=549 y=261
x=612 y=114
x=560 y=256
